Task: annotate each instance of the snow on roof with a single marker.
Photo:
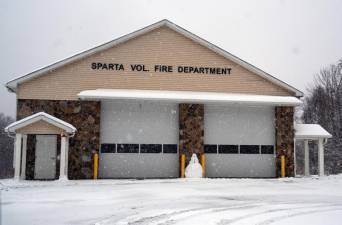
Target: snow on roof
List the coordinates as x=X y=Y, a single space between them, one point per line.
x=188 y=96
x=12 y=84
x=310 y=131
x=40 y=116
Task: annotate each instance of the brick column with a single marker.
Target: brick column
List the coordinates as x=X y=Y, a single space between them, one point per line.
x=285 y=138
x=191 y=129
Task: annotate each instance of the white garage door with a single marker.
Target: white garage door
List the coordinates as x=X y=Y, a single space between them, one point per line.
x=139 y=140
x=239 y=141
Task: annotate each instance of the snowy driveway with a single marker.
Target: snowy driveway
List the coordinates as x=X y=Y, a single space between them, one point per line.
x=208 y=201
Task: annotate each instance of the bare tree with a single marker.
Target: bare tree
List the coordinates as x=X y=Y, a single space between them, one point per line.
x=6 y=148
x=324 y=106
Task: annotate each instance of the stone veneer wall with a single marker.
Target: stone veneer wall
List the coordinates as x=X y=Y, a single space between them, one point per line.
x=191 y=129
x=30 y=156
x=285 y=138
x=85 y=116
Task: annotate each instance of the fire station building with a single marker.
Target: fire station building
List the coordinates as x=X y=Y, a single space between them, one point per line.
x=144 y=99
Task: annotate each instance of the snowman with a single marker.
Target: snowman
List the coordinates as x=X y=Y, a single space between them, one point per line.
x=194 y=169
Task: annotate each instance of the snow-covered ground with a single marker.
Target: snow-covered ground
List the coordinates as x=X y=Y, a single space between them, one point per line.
x=313 y=201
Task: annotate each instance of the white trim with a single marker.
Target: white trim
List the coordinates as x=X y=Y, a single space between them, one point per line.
x=17 y=159
x=306 y=158
x=63 y=174
x=295 y=157
x=40 y=116
x=12 y=85
x=320 y=157
x=66 y=157
x=188 y=97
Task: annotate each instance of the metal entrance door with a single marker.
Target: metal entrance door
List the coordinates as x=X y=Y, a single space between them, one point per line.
x=45 y=161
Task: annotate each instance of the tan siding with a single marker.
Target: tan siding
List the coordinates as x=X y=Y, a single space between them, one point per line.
x=40 y=127
x=161 y=46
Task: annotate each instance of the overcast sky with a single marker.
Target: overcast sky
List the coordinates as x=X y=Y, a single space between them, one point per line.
x=291 y=40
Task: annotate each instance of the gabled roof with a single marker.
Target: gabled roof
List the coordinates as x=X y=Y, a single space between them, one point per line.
x=188 y=97
x=12 y=85
x=310 y=131
x=37 y=117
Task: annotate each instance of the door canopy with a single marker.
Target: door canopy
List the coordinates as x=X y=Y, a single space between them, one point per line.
x=52 y=121
x=310 y=132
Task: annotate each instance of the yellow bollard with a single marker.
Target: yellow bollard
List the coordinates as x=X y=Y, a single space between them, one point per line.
x=182 y=166
x=96 y=165
x=282 y=166
x=203 y=164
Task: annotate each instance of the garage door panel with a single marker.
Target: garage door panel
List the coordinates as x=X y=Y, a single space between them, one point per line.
x=139 y=122
x=240 y=165
x=139 y=140
x=149 y=165
x=240 y=140
x=231 y=124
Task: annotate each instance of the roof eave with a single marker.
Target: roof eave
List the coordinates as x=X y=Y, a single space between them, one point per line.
x=10 y=88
